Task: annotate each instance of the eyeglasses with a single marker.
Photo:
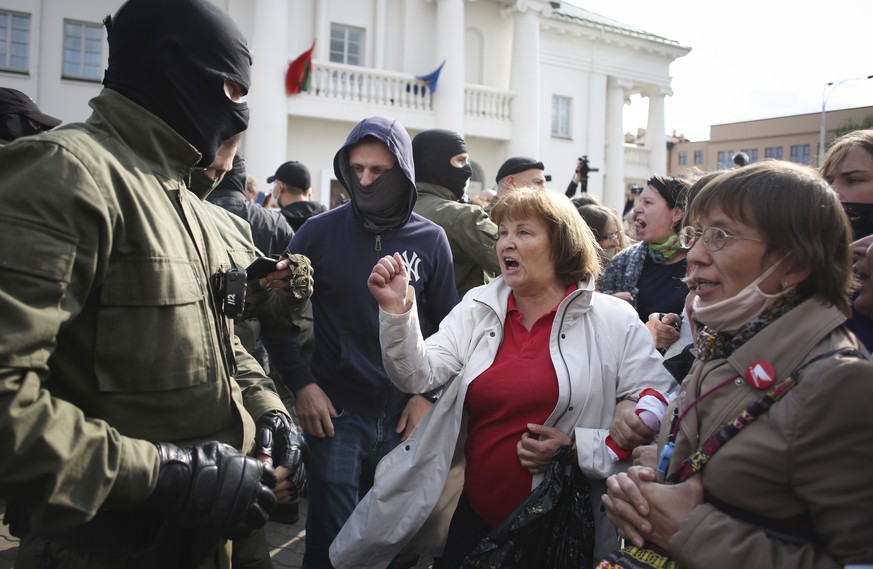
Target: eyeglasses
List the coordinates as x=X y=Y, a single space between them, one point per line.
x=609 y=237
x=714 y=238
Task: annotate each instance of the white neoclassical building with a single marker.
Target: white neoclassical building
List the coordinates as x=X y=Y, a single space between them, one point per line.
x=521 y=77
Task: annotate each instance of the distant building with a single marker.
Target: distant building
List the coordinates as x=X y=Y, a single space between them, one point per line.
x=792 y=138
x=521 y=77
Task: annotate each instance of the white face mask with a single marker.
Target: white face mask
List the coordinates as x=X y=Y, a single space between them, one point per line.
x=731 y=314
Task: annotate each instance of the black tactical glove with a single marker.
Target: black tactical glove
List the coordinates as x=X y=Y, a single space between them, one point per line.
x=300 y=282
x=212 y=486
x=278 y=437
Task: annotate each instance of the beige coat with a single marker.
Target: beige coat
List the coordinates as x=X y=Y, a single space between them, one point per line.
x=811 y=453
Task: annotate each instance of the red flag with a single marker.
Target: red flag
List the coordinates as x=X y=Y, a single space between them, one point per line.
x=299 y=74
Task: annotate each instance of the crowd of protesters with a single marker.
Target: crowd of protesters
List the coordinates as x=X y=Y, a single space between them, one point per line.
x=412 y=358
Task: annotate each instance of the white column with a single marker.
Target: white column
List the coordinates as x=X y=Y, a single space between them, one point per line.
x=449 y=98
x=525 y=79
x=381 y=33
x=656 y=130
x=613 y=188
x=266 y=140
x=322 y=32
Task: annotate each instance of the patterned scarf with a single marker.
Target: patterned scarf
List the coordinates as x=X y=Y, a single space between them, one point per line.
x=663 y=252
x=712 y=345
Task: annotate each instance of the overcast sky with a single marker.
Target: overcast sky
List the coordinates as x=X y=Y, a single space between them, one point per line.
x=753 y=60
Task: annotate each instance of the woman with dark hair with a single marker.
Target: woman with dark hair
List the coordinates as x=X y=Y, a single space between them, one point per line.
x=532 y=361
x=649 y=274
x=769 y=455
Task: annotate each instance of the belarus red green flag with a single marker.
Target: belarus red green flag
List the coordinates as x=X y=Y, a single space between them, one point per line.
x=299 y=75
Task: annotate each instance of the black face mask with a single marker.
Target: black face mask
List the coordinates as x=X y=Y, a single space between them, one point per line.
x=172 y=57
x=384 y=204
x=861 y=218
x=432 y=151
x=15 y=126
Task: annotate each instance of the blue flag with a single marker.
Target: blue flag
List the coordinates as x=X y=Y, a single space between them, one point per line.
x=432 y=77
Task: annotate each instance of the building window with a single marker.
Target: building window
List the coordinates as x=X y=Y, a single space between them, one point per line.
x=698 y=156
x=800 y=154
x=14 y=41
x=725 y=159
x=346 y=44
x=752 y=153
x=83 y=58
x=773 y=153
x=560 y=116
x=683 y=158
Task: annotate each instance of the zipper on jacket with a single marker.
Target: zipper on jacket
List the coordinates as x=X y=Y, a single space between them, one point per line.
x=379 y=244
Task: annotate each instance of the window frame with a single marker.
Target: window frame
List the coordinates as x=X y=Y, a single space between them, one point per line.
x=698 y=157
x=8 y=54
x=562 y=117
x=804 y=154
x=346 y=54
x=83 y=53
x=774 y=153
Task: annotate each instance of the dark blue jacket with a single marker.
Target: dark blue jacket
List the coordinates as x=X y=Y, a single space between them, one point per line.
x=347 y=358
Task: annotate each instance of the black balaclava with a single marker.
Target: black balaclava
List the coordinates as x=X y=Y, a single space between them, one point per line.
x=398 y=186
x=383 y=203
x=861 y=217
x=172 y=58
x=432 y=151
x=14 y=126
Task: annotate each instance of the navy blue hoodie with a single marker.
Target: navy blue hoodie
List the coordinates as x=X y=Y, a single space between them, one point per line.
x=347 y=357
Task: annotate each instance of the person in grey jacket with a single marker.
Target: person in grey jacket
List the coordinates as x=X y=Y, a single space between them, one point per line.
x=531 y=361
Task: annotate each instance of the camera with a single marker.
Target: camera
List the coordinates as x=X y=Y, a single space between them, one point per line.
x=230 y=291
x=636 y=189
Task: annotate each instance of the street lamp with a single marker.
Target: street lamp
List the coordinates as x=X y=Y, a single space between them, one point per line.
x=824 y=100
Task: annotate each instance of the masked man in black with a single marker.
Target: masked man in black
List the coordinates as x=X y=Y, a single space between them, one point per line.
x=130 y=405
x=442 y=171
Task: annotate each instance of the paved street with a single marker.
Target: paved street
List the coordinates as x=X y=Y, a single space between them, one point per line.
x=286 y=542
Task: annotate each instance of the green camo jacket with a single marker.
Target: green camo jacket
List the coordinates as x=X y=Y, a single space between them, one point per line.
x=109 y=337
x=472 y=235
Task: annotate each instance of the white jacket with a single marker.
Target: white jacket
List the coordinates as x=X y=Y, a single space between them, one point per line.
x=601 y=352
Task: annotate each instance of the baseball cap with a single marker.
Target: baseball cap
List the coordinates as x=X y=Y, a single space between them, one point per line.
x=292 y=173
x=14 y=102
x=518 y=164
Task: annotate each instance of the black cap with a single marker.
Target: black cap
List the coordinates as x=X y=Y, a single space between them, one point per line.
x=292 y=173
x=518 y=164
x=15 y=102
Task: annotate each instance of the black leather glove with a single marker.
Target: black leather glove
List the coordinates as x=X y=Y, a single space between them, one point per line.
x=278 y=437
x=214 y=487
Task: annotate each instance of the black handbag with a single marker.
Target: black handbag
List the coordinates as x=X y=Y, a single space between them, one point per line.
x=552 y=528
